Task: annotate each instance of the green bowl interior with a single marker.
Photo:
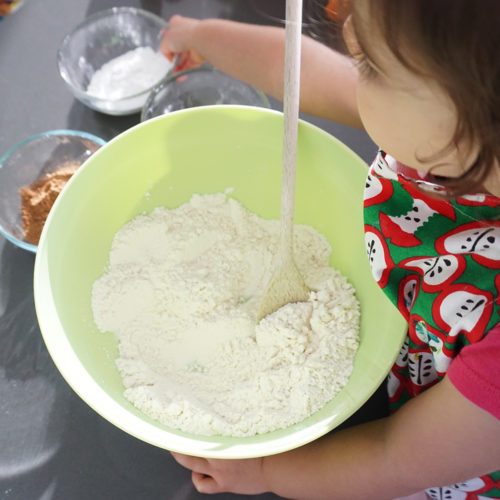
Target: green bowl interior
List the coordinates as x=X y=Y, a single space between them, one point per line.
x=163 y=162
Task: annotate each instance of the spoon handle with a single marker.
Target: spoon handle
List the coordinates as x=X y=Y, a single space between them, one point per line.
x=293 y=31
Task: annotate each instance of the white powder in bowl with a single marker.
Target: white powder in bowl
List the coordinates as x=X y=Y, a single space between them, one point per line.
x=182 y=292
x=129 y=74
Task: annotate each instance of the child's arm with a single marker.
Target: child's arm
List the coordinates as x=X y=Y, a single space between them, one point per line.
x=255 y=54
x=438 y=438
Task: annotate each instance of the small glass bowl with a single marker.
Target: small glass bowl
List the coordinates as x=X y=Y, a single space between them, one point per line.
x=201 y=86
x=102 y=37
x=30 y=160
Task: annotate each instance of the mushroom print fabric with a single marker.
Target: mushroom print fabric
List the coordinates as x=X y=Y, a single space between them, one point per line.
x=438 y=261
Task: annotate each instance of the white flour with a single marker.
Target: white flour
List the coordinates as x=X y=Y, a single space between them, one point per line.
x=182 y=292
x=129 y=74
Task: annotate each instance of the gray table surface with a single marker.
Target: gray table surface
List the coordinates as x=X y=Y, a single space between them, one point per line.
x=52 y=445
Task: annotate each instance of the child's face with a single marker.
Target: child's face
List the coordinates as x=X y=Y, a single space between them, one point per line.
x=408 y=116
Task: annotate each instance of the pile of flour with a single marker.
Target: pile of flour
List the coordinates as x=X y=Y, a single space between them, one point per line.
x=182 y=293
x=131 y=73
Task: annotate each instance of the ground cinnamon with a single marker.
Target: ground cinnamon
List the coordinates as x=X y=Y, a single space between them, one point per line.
x=37 y=200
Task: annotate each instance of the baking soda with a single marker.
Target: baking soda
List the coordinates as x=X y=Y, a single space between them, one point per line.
x=182 y=293
x=129 y=74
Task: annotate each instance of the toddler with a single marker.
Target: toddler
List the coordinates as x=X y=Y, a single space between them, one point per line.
x=423 y=79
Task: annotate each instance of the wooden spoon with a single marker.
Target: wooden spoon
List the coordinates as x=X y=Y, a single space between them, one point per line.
x=286 y=284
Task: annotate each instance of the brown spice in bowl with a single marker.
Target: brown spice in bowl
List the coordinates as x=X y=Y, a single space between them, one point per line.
x=37 y=200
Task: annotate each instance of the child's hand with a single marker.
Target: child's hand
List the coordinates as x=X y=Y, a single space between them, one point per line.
x=215 y=476
x=179 y=39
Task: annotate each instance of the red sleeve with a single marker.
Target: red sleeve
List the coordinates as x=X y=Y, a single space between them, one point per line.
x=475 y=372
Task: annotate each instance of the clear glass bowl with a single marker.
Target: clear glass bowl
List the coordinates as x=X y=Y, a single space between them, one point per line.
x=31 y=160
x=201 y=86
x=102 y=37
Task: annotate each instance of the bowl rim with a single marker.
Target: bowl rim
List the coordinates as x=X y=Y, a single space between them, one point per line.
x=90 y=19
x=89 y=390
x=204 y=67
x=49 y=133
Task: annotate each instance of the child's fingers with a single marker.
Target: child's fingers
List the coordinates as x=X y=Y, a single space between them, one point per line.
x=205 y=484
x=199 y=467
x=195 y=464
x=164 y=47
x=187 y=61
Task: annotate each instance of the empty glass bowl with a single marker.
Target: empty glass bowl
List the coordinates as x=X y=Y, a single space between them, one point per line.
x=201 y=86
x=102 y=38
x=30 y=161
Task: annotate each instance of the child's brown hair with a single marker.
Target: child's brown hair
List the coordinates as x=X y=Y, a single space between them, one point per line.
x=457 y=44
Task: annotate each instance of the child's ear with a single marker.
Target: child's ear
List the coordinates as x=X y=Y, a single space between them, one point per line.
x=350 y=39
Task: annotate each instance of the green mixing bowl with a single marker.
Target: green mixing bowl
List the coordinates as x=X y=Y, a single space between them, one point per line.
x=163 y=162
